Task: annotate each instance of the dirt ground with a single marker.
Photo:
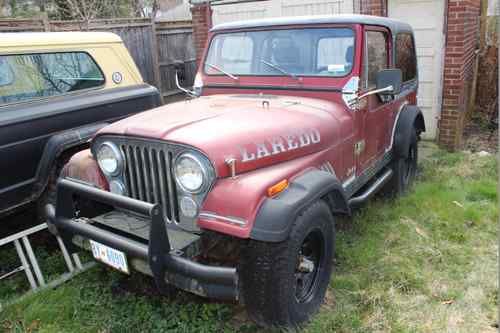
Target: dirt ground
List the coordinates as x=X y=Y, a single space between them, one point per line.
x=480 y=135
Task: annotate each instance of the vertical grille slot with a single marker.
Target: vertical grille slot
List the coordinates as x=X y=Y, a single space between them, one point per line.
x=160 y=160
x=149 y=177
x=172 y=185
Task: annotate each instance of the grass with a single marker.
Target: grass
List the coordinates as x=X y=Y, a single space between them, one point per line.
x=426 y=262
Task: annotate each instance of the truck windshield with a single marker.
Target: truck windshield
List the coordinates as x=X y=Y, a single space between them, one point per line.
x=292 y=52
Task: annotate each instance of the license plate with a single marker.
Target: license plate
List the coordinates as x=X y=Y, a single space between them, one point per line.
x=109 y=256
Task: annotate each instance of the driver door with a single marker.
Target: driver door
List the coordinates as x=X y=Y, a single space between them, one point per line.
x=375 y=114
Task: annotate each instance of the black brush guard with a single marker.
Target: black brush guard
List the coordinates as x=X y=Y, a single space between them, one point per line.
x=217 y=282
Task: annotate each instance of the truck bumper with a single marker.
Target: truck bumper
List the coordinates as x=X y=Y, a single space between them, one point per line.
x=210 y=281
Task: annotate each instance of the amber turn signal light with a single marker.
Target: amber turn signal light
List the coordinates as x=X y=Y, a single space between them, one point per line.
x=277 y=188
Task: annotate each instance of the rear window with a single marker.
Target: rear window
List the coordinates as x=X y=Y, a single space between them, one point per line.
x=30 y=76
x=406 y=59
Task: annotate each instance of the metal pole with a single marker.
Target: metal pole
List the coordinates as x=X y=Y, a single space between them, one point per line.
x=77 y=261
x=33 y=261
x=25 y=264
x=64 y=251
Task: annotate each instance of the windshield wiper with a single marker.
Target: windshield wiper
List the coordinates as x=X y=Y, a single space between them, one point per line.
x=278 y=68
x=222 y=71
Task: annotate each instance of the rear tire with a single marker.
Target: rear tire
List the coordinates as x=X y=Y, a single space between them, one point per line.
x=404 y=168
x=283 y=284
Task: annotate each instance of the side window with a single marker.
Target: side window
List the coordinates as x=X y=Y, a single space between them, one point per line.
x=6 y=75
x=375 y=58
x=31 y=76
x=405 y=56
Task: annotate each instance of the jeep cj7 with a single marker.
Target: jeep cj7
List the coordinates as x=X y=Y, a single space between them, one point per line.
x=233 y=193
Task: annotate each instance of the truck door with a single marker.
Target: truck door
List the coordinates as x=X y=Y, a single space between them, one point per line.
x=374 y=113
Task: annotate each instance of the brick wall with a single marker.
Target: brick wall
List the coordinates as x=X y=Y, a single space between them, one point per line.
x=202 y=22
x=462 y=31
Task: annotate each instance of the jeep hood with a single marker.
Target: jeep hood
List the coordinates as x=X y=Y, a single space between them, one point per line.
x=256 y=131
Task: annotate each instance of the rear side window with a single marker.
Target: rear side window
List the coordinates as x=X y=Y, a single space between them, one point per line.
x=406 y=59
x=376 y=56
x=30 y=76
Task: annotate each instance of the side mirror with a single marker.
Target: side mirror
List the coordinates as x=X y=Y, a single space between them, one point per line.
x=389 y=78
x=180 y=71
x=186 y=91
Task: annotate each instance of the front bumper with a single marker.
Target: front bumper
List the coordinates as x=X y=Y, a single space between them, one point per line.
x=210 y=281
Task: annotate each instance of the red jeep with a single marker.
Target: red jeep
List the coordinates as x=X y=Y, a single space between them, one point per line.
x=233 y=193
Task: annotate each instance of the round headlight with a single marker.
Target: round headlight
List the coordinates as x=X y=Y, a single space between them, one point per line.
x=189 y=172
x=110 y=159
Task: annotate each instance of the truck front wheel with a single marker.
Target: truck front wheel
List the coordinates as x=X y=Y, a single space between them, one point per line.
x=283 y=284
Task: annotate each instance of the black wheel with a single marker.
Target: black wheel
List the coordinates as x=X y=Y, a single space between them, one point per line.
x=283 y=284
x=405 y=169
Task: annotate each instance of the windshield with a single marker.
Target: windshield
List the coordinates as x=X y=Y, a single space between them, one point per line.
x=291 y=52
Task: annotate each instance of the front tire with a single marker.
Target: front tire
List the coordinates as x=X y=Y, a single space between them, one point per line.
x=283 y=284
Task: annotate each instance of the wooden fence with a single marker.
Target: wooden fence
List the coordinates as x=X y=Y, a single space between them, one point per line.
x=158 y=48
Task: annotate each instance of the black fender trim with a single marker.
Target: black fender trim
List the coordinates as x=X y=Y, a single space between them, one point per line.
x=276 y=215
x=56 y=145
x=411 y=116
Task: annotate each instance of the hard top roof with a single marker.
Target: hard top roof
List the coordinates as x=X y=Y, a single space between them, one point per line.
x=394 y=25
x=28 y=39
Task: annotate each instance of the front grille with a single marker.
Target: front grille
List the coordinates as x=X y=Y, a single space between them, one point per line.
x=148 y=176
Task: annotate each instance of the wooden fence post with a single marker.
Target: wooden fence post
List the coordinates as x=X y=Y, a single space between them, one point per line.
x=156 y=62
x=45 y=21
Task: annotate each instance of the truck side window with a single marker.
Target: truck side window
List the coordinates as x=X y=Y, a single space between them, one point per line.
x=49 y=74
x=375 y=58
x=6 y=75
x=405 y=56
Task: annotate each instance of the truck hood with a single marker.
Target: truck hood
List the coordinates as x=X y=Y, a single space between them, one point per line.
x=255 y=130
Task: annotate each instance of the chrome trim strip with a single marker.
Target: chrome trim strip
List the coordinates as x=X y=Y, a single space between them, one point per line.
x=330 y=167
x=230 y=219
x=405 y=103
x=349 y=181
x=353 y=184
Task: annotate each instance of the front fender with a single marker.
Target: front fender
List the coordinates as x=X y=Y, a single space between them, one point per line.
x=276 y=215
x=233 y=203
x=239 y=207
x=83 y=167
x=56 y=145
